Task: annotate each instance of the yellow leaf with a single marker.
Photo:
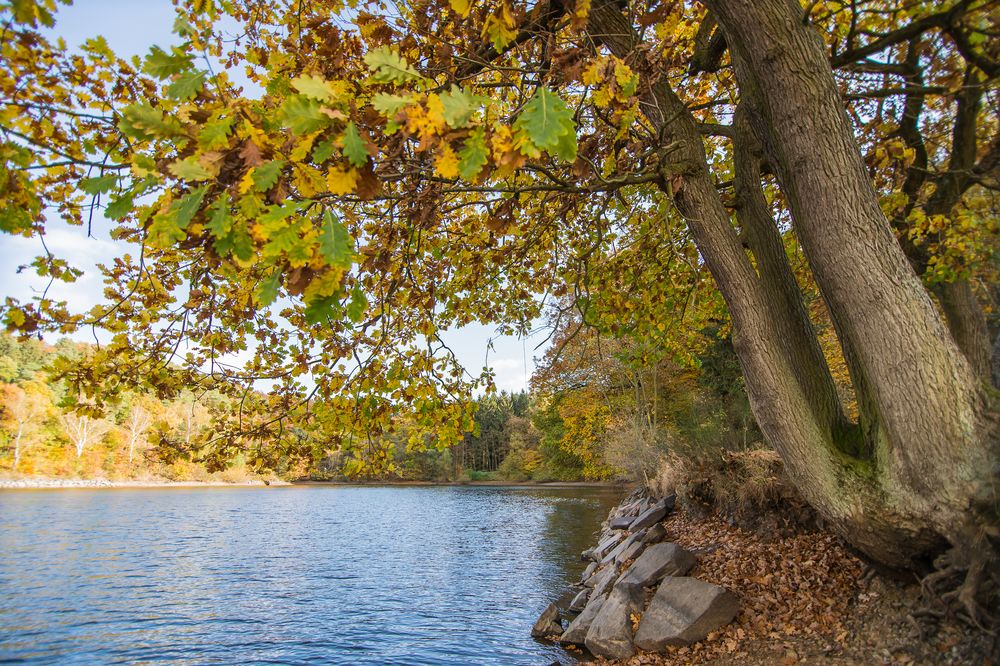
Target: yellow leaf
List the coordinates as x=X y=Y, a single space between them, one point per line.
x=461 y=7
x=341 y=181
x=446 y=163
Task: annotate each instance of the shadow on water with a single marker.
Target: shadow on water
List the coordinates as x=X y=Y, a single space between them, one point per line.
x=300 y=575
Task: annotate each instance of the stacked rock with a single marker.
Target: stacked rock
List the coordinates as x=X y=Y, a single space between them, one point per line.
x=635 y=574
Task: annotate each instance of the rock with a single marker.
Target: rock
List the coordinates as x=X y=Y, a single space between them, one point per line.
x=603 y=580
x=588 y=572
x=622 y=547
x=548 y=623
x=659 y=560
x=610 y=634
x=629 y=553
x=576 y=632
x=606 y=545
x=652 y=515
x=579 y=601
x=655 y=534
x=683 y=611
x=621 y=523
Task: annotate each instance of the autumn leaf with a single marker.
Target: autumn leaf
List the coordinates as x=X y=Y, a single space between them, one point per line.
x=186 y=85
x=461 y=7
x=341 y=180
x=545 y=121
x=388 y=67
x=459 y=106
x=446 y=163
x=99 y=184
x=336 y=245
x=355 y=148
x=266 y=175
x=303 y=115
x=161 y=64
x=314 y=87
x=190 y=169
x=473 y=156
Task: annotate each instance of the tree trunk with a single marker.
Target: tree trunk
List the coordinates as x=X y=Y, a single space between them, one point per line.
x=931 y=431
x=898 y=502
x=17 y=444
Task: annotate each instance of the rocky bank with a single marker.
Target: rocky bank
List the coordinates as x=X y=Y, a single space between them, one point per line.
x=635 y=594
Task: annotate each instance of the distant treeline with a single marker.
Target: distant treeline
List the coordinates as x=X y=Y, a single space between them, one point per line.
x=49 y=432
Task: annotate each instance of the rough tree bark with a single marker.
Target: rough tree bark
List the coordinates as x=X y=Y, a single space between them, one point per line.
x=925 y=469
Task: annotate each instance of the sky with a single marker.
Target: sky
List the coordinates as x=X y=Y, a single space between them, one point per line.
x=131 y=27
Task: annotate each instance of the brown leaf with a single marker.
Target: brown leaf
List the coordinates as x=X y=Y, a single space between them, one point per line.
x=251 y=154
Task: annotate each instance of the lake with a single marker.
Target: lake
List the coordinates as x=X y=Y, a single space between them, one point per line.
x=288 y=575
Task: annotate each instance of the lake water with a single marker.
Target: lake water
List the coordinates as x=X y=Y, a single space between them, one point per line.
x=288 y=575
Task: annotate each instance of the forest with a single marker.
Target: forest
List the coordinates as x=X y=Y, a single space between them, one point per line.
x=755 y=231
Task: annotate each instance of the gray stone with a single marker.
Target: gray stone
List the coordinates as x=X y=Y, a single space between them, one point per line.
x=684 y=611
x=659 y=560
x=588 y=572
x=576 y=632
x=621 y=523
x=610 y=634
x=603 y=580
x=607 y=544
x=629 y=553
x=580 y=601
x=650 y=516
x=655 y=534
x=613 y=554
x=548 y=623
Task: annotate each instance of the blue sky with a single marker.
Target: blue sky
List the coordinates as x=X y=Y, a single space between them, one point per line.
x=131 y=27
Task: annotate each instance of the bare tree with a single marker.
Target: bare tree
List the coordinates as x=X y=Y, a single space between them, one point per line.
x=24 y=409
x=83 y=431
x=136 y=424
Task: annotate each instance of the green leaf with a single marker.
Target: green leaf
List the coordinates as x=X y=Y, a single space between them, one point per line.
x=460 y=106
x=302 y=115
x=119 y=208
x=215 y=134
x=322 y=309
x=242 y=244
x=545 y=120
x=358 y=305
x=186 y=85
x=161 y=64
x=141 y=121
x=266 y=175
x=473 y=155
x=313 y=86
x=99 y=184
x=220 y=222
x=278 y=213
x=189 y=169
x=390 y=105
x=566 y=148
x=187 y=206
x=268 y=290
x=355 y=148
x=169 y=227
x=388 y=67
x=335 y=243
x=322 y=151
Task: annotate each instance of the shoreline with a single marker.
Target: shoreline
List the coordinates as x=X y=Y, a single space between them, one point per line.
x=56 y=484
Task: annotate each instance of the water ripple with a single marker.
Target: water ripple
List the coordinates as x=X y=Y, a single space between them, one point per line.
x=316 y=575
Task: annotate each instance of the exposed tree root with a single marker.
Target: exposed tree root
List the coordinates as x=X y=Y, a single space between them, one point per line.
x=965 y=585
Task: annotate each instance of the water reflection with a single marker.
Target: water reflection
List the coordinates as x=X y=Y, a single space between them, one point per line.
x=372 y=575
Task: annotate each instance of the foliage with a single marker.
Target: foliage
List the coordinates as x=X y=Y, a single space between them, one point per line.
x=46 y=435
